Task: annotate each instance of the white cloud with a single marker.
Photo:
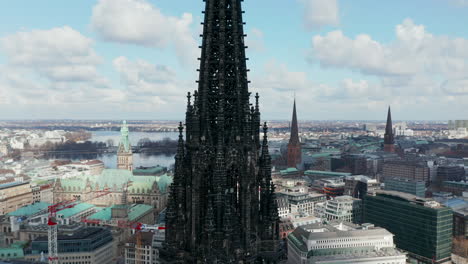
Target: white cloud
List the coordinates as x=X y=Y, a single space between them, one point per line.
x=456 y=87
x=141 y=23
x=143 y=78
x=462 y=3
x=351 y=98
x=319 y=13
x=54 y=73
x=149 y=86
x=58 y=54
x=277 y=85
x=414 y=55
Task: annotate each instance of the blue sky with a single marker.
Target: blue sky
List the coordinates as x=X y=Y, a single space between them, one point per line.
x=135 y=59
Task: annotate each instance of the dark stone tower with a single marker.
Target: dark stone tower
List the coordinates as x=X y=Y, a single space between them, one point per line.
x=294 y=145
x=222 y=206
x=389 y=138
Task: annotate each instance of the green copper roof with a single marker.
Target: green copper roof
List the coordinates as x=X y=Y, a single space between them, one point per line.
x=289 y=170
x=75 y=210
x=73 y=184
x=149 y=171
x=135 y=212
x=164 y=181
x=124 y=141
x=103 y=215
x=19 y=244
x=422 y=142
x=326 y=173
x=11 y=253
x=41 y=182
x=321 y=155
x=141 y=187
x=110 y=177
x=138 y=210
x=117 y=179
x=30 y=209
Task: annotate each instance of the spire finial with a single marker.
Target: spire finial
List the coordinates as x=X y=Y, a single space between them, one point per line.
x=265 y=133
x=257 y=97
x=181 y=130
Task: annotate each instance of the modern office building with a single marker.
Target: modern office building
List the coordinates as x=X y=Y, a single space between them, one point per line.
x=341 y=208
x=283 y=205
x=317 y=175
x=413 y=187
x=413 y=170
x=450 y=173
x=85 y=246
x=356 y=164
x=342 y=243
x=460 y=223
x=421 y=226
x=456 y=188
x=332 y=187
x=302 y=202
x=358 y=186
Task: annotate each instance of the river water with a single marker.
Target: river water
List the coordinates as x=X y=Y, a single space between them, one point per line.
x=139 y=159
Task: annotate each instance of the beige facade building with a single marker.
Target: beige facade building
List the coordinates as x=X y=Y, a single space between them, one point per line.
x=42 y=193
x=14 y=195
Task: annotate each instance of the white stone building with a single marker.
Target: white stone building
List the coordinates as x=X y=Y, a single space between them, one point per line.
x=342 y=208
x=342 y=243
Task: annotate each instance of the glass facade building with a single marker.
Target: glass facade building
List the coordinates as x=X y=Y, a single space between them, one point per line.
x=85 y=240
x=413 y=187
x=421 y=226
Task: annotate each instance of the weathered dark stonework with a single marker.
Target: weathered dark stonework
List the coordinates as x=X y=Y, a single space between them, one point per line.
x=222 y=206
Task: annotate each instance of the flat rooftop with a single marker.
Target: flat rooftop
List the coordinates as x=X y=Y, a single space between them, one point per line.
x=427 y=202
x=12 y=184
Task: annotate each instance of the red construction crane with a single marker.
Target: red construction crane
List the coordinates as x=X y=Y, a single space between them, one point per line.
x=52 y=222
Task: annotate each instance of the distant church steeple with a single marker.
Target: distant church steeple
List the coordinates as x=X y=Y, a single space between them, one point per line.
x=389 y=138
x=294 y=146
x=124 y=154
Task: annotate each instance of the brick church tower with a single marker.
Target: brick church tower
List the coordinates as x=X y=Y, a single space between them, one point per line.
x=294 y=145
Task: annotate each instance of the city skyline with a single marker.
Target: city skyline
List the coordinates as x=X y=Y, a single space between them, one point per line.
x=74 y=61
